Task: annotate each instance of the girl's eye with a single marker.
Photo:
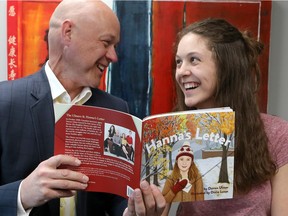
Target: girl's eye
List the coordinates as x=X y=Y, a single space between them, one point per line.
x=178 y=61
x=194 y=59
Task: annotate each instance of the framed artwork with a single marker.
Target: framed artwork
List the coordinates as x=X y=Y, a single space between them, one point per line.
x=143 y=75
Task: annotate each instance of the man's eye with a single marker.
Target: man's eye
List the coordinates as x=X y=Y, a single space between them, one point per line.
x=106 y=43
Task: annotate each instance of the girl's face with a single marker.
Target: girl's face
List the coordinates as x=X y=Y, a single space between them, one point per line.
x=196 y=71
x=184 y=163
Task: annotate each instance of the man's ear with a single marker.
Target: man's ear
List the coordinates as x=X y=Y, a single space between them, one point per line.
x=66 y=31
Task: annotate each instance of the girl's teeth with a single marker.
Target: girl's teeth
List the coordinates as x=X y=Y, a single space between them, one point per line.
x=191 y=85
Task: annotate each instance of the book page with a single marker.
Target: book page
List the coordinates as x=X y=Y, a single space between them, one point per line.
x=106 y=141
x=190 y=155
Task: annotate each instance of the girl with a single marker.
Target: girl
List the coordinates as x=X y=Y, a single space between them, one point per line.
x=216 y=66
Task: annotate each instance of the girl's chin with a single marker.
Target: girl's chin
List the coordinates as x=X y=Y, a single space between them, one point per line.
x=190 y=103
x=194 y=105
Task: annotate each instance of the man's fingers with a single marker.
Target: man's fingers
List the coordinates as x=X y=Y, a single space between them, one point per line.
x=66 y=185
x=55 y=168
x=59 y=160
x=71 y=175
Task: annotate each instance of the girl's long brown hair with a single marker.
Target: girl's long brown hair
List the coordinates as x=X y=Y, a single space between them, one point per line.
x=238 y=77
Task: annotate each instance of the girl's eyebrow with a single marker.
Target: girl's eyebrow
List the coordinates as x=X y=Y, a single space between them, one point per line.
x=189 y=54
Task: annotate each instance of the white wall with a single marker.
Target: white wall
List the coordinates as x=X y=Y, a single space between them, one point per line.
x=278 y=64
x=3 y=41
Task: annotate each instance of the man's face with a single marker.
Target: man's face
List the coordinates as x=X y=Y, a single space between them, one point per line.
x=92 y=48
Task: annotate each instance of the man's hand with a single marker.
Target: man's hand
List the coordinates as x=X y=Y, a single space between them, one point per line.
x=49 y=181
x=146 y=201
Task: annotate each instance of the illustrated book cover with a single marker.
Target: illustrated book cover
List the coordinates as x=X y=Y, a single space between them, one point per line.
x=189 y=155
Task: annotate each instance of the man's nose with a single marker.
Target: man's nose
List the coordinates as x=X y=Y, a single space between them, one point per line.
x=111 y=54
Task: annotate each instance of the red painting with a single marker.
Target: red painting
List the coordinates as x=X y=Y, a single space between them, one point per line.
x=28 y=25
x=168 y=18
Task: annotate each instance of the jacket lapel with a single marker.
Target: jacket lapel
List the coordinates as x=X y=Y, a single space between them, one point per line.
x=42 y=114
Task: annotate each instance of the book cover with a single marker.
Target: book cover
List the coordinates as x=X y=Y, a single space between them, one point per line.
x=86 y=133
x=188 y=155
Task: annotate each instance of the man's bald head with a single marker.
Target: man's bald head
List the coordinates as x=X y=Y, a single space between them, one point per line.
x=73 y=9
x=81 y=13
x=82 y=38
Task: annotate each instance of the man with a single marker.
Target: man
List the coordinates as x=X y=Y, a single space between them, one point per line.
x=117 y=143
x=82 y=39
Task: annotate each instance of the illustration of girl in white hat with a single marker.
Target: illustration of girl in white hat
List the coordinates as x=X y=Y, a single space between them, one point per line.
x=185 y=182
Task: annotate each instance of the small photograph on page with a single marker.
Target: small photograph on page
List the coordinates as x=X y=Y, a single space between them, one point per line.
x=119 y=142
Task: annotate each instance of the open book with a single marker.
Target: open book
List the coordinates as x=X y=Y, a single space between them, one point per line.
x=186 y=154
